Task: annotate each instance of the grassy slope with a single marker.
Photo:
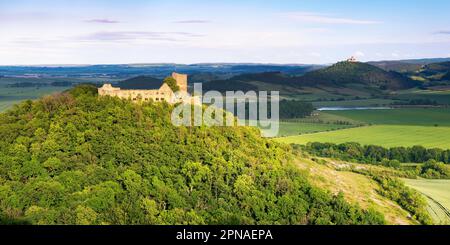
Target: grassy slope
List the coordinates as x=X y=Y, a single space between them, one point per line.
x=357 y=189
x=438 y=196
x=383 y=135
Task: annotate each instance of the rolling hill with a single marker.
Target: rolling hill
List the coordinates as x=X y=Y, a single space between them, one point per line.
x=435 y=71
x=446 y=77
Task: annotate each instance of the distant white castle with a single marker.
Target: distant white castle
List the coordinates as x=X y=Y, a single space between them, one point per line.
x=352 y=59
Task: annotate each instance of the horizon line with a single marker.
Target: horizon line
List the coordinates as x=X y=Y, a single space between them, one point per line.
x=209 y=63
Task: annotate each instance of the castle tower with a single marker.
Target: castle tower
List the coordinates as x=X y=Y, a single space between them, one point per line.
x=181 y=81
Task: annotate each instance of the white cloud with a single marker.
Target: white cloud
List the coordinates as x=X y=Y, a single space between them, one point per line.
x=192 y=22
x=137 y=35
x=102 y=21
x=327 y=19
x=443 y=32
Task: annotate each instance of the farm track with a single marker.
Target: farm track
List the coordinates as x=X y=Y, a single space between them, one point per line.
x=443 y=209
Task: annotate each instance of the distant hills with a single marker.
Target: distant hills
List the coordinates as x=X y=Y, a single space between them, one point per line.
x=141 y=82
x=354 y=75
x=342 y=78
x=220 y=70
x=430 y=72
x=345 y=78
x=406 y=65
x=435 y=71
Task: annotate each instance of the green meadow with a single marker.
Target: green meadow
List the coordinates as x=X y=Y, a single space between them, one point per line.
x=437 y=193
x=383 y=135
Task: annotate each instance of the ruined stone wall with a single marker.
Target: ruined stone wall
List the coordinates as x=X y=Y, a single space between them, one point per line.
x=162 y=94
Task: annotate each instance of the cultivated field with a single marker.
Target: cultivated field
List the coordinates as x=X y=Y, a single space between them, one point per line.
x=354 y=103
x=383 y=135
x=10 y=96
x=428 y=127
x=437 y=193
x=297 y=128
x=442 y=97
x=410 y=116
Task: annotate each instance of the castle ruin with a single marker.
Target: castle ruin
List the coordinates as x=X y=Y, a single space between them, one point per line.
x=163 y=93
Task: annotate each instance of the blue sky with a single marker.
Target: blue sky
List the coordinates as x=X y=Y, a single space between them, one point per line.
x=265 y=31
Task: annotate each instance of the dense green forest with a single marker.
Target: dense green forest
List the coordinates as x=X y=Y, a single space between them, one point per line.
x=288 y=109
x=76 y=158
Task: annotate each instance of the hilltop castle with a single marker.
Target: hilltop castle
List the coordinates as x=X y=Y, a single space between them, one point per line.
x=352 y=59
x=161 y=92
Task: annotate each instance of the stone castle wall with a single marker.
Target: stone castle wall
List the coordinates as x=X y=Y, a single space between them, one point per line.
x=164 y=93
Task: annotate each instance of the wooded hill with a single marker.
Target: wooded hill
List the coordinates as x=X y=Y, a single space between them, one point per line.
x=345 y=73
x=341 y=75
x=76 y=158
